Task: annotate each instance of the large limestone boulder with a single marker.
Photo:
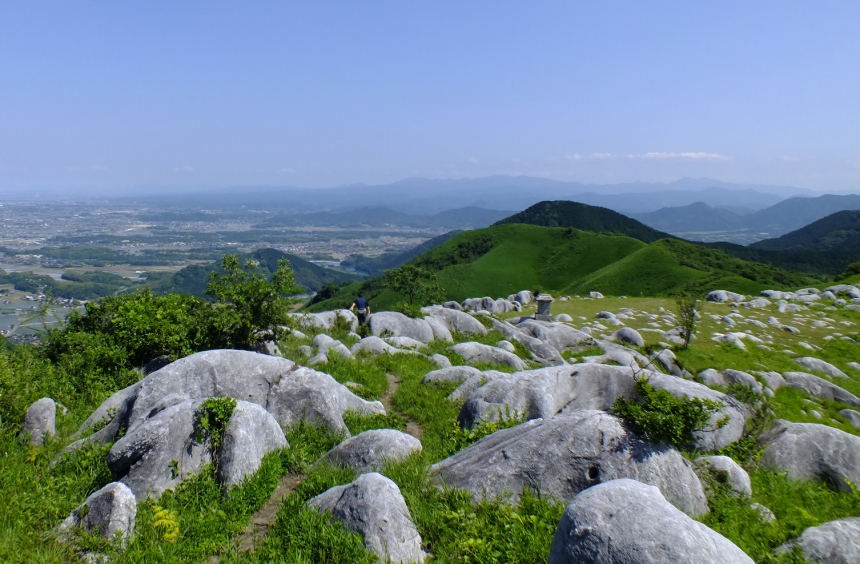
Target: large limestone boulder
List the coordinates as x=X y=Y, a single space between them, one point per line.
x=728 y=377
x=834 y=542
x=373 y=507
x=398 y=325
x=251 y=434
x=545 y=392
x=456 y=321
x=440 y=328
x=562 y=456
x=40 y=421
x=809 y=451
x=845 y=289
x=724 y=470
x=374 y=346
x=722 y=296
x=525 y=297
x=161 y=451
x=629 y=336
x=560 y=335
x=821 y=366
x=325 y=320
x=290 y=393
x=475 y=353
x=368 y=451
x=541 y=351
x=852 y=416
x=631 y=522
x=456 y=374
x=820 y=388
x=109 y=512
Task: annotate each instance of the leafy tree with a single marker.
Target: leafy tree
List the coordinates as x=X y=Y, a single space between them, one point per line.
x=252 y=308
x=414 y=282
x=687 y=316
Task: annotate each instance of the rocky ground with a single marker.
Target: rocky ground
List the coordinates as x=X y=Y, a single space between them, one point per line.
x=484 y=436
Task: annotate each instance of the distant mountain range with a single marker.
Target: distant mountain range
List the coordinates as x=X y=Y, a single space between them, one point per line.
x=699 y=220
x=836 y=232
x=422 y=196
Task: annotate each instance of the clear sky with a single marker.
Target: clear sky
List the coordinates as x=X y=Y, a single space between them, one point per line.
x=114 y=95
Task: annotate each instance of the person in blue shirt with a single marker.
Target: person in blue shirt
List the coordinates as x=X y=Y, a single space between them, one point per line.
x=361 y=308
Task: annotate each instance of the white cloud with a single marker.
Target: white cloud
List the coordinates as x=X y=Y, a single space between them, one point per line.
x=693 y=156
x=601 y=156
x=289 y=170
x=574 y=157
x=183 y=168
x=473 y=160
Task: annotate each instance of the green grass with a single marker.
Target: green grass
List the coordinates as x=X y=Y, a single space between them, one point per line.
x=796 y=505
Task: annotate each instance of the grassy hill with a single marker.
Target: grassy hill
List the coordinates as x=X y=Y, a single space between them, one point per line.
x=506 y=258
x=386 y=261
x=836 y=232
x=587 y=218
x=193 y=279
x=697 y=216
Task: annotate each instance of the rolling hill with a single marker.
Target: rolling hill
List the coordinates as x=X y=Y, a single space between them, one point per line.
x=575 y=215
x=836 y=232
x=377 y=265
x=193 y=279
x=506 y=258
x=698 y=216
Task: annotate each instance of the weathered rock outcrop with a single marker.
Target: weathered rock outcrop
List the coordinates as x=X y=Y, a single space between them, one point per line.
x=723 y=469
x=821 y=366
x=398 y=325
x=250 y=435
x=456 y=321
x=820 y=388
x=368 y=451
x=109 y=512
x=40 y=421
x=630 y=522
x=809 y=451
x=475 y=353
x=373 y=507
x=562 y=456
x=835 y=542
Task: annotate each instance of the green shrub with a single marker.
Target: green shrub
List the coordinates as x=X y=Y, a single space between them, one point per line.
x=660 y=416
x=409 y=310
x=252 y=308
x=213 y=415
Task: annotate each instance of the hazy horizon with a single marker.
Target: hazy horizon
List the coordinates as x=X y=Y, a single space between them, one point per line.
x=112 y=99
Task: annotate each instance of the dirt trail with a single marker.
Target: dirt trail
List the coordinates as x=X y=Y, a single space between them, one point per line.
x=412 y=427
x=265 y=516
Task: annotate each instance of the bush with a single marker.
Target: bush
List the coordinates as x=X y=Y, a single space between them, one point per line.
x=252 y=308
x=213 y=415
x=409 y=310
x=660 y=416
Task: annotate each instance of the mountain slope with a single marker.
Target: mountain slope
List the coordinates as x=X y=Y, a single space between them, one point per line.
x=794 y=213
x=698 y=216
x=836 y=232
x=377 y=265
x=503 y=259
x=584 y=217
x=193 y=279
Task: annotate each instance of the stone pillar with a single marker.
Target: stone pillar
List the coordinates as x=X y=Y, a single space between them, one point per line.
x=544 y=301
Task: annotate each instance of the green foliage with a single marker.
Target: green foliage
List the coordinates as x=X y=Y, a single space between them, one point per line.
x=409 y=310
x=357 y=423
x=687 y=309
x=459 y=438
x=660 y=416
x=253 y=309
x=797 y=506
x=212 y=418
x=414 y=282
x=852 y=270
x=130 y=330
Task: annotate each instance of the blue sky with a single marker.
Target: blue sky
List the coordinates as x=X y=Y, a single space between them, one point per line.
x=113 y=95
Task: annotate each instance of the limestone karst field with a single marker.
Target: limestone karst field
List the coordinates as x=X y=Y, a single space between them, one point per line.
x=455 y=436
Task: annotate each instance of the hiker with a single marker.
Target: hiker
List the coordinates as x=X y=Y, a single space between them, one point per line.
x=363 y=308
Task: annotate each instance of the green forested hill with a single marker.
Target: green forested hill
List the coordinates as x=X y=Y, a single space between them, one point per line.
x=193 y=279
x=836 y=232
x=504 y=259
x=562 y=213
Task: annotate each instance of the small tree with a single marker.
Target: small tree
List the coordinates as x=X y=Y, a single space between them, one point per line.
x=687 y=316
x=253 y=308
x=415 y=283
